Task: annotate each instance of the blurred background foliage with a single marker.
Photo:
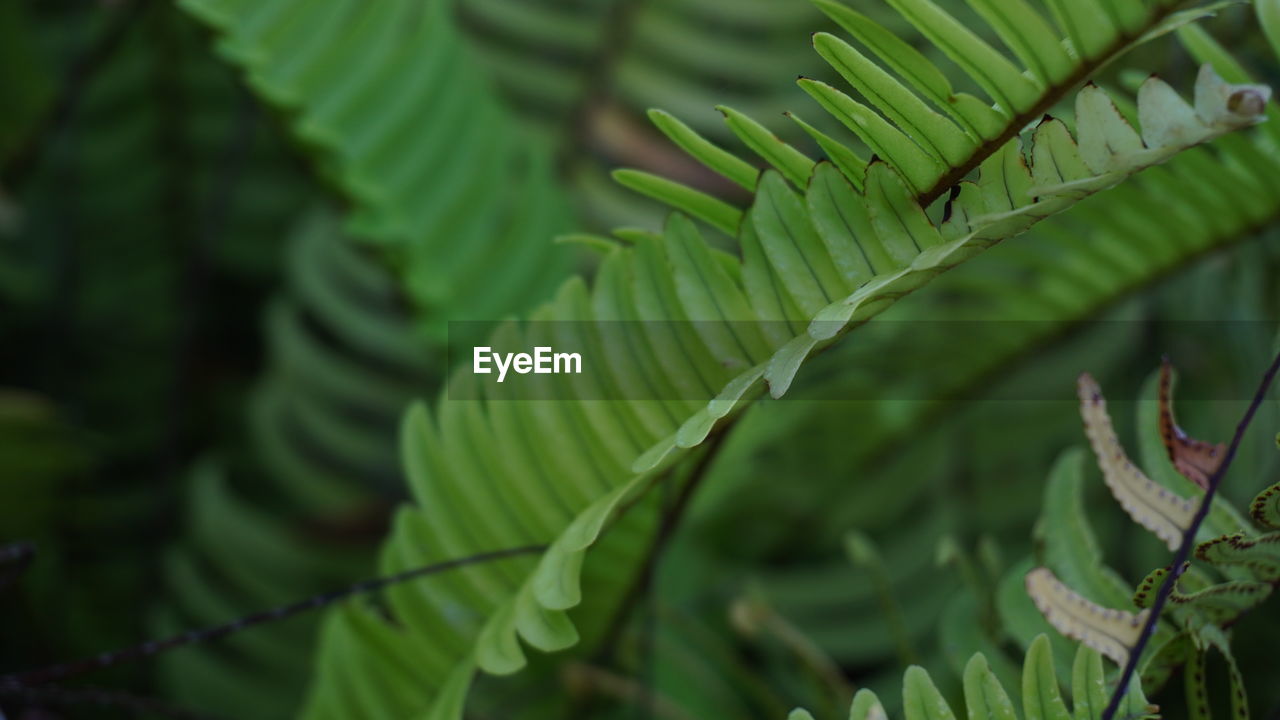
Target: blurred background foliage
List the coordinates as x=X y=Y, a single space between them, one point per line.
x=209 y=339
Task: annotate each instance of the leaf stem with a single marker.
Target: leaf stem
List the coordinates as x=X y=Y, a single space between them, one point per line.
x=1188 y=541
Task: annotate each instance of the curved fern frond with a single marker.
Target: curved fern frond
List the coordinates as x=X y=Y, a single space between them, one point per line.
x=986 y=699
x=1022 y=296
x=441 y=181
x=1195 y=459
x=301 y=511
x=1069 y=545
x=904 y=126
x=358 y=81
x=1260 y=555
x=1219 y=604
x=800 y=284
x=1149 y=504
x=1265 y=508
x=1109 y=631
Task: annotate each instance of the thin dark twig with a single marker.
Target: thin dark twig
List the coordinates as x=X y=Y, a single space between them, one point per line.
x=104 y=698
x=77 y=79
x=1180 y=558
x=17 y=681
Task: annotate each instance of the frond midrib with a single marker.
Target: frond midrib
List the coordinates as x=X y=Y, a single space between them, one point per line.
x=1053 y=94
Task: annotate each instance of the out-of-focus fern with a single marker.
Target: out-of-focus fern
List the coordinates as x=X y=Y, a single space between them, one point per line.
x=585 y=73
x=297 y=513
x=25 y=78
x=39 y=455
x=813 y=267
x=159 y=106
x=116 y=231
x=402 y=123
x=557 y=59
x=465 y=218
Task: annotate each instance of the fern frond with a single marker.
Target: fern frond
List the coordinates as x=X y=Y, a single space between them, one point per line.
x=343 y=358
x=1083 y=262
x=1195 y=459
x=443 y=204
x=1243 y=572
x=794 y=290
x=1149 y=504
x=1109 y=631
x=1260 y=555
x=1069 y=544
x=1219 y=604
x=933 y=152
x=1265 y=508
x=357 y=81
x=986 y=699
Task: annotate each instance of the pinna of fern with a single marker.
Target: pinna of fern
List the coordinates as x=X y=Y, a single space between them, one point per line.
x=986 y=699
x=813 y=265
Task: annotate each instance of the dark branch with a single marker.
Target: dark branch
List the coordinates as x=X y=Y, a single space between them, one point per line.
x=16 y=682
x=1180 y=558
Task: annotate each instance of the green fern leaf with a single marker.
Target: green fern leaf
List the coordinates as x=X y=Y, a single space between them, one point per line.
x=1265 y=508
x=986 y=699
x=932 y=152
x=356 y=81
x=1070 y=547
x=1261 y=555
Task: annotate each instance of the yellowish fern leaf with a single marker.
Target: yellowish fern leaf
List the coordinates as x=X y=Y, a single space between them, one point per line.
x=1150 y=504
x=1109 y=631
